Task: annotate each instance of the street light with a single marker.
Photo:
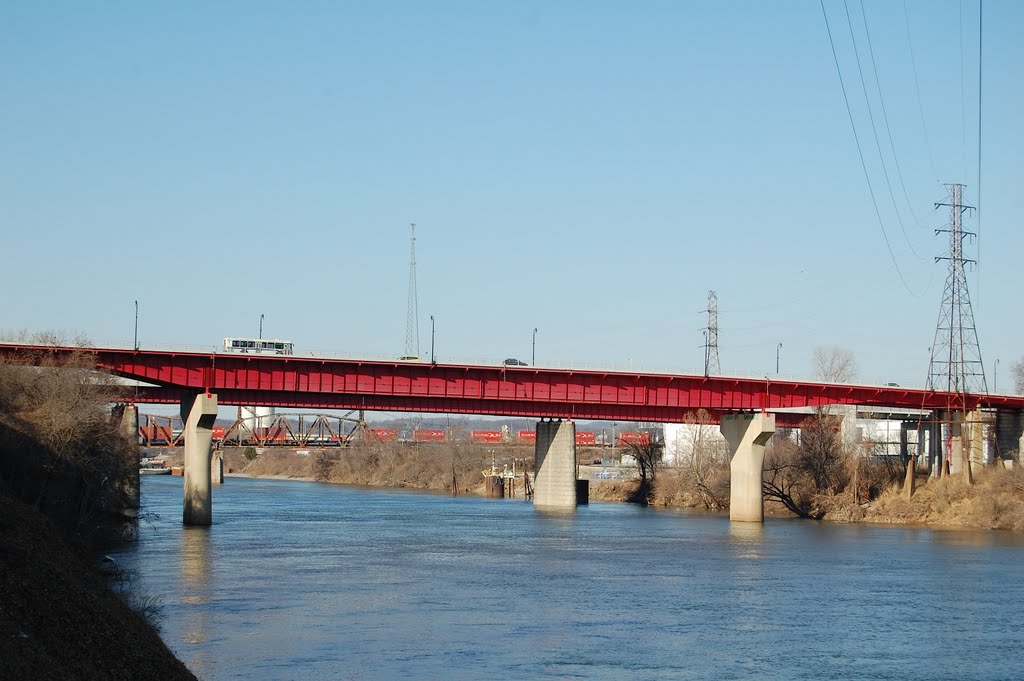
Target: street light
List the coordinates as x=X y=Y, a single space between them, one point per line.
x=136 y=343
x=432 y=360
x=533 y=355
x=261 y=327
x=613 y=443
x=995 y=377
x=778 y=349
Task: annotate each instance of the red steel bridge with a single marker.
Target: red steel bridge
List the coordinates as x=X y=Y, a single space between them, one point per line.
x=318 y=383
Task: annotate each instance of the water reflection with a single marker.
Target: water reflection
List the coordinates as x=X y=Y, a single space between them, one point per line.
x=746 y=539
x=194 y=569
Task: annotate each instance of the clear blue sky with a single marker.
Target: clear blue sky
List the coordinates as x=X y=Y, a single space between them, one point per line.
x=588 y=168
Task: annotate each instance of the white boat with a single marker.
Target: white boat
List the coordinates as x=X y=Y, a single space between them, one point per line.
x=153 y=467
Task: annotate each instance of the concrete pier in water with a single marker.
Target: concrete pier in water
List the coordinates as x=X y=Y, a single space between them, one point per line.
x=555 y=465
x=198 y=413
x=747 y=435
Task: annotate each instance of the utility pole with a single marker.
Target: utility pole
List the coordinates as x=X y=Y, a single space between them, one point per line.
x=135 y=343
x=412 y=320
x=712 y=365
x=956 y=364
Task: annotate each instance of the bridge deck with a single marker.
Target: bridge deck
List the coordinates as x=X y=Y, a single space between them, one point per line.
x=292 y=381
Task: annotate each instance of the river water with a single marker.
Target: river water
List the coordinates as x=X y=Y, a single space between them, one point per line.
x=308 y=581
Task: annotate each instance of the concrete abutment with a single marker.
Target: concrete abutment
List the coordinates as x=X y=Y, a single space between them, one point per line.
x=747 y=435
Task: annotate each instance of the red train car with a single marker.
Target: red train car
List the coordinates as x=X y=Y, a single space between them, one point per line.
x=586 y=438
x=385 y=434
x=424 y=435
x=630 y=437
x=526 y=436
x=277 y=434
x=486 y=436
x=156 y=435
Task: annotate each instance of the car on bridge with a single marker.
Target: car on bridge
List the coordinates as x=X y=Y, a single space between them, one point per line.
x=513 y=362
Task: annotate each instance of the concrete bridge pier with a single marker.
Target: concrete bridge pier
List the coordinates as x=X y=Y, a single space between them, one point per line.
x=198 y=413
x=747 y=435
x=555 y=464
x=936 y=447
x=130 y=422
x=217 y=468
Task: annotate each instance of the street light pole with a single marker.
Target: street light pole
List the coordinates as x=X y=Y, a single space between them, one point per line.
x=778 y=349
x=432 y=360
x=613 y=443
x=706 y=355
x=533 y=355
x=261 y=327
x=135 y=344
x=995 y=377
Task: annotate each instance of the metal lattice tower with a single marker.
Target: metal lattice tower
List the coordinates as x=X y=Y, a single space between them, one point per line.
x=712 y=366
x=956 y=364
x=412 y=321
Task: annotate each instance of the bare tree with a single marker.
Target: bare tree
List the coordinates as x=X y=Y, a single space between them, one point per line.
x=648 y=458
x=59 y=449
x=784 y=480
x=1017 y=371
x=834 y=364
x=707 y=458
x=797 y=476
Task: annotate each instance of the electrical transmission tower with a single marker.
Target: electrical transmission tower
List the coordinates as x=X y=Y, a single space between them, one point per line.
x=712 y=366
x=412 y=320
x=956 y=364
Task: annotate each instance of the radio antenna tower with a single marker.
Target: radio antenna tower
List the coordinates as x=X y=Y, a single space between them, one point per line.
x=712 y=366
x=956 y=364
x=412 y=321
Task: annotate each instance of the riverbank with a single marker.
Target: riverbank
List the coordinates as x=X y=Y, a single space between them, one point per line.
x=68 y=478
x=59 y=618
x=995 y=501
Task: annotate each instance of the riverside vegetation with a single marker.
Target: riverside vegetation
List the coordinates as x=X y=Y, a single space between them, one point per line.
x=67 y=476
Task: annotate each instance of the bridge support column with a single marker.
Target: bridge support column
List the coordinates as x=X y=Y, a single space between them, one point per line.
x=1009 y=436
x=130 y=422
x=217 y=468
x=555 y=465
x=747 y=435
x=198 y=414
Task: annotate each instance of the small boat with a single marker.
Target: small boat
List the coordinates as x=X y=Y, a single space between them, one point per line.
x=153 y=467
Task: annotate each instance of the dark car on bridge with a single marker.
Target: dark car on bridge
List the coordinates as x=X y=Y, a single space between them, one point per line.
x=513 y=362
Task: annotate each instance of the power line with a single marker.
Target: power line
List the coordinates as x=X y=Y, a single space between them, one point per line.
x=917 y=90
x=885 y=119
x=977 y=290
x=860 y=153
x=874 y=130
x=963 y=98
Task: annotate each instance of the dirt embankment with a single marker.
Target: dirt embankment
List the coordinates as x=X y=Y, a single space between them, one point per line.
x=58 y=617
x=419 y=466
x=68 y=473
